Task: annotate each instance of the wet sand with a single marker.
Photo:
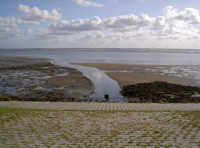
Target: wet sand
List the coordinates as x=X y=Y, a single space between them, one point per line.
x=126 y=74
x=37 y=79
x=128 y=78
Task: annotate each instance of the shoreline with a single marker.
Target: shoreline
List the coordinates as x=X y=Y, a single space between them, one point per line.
x=37 y=79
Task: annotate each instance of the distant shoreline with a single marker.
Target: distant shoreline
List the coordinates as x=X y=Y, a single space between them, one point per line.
x=151 y=48
x=16 y=61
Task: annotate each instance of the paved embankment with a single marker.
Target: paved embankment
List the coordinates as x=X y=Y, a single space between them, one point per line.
x=29 y=128
x=102 y=106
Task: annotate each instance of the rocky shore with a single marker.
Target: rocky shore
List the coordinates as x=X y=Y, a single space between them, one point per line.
x=161 y=92
x=27 y=79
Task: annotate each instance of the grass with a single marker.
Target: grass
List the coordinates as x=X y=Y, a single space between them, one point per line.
x=194 y=114
x=8 y=114
x=4 y=110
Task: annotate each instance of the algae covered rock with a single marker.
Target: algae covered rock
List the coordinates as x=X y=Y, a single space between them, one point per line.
x=161 y=92
x=5 y=98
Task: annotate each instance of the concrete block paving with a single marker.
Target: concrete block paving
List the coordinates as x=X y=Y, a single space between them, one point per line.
x=100 y=129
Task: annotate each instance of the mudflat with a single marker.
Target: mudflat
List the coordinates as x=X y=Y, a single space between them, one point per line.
x=37 y=79
x=111 y=67
x=126 y=74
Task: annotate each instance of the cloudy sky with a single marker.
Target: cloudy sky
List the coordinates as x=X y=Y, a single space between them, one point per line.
x=100 y=23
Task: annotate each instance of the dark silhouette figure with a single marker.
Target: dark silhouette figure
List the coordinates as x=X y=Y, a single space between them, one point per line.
x=106 y=96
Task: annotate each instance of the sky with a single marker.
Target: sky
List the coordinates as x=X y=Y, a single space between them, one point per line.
x=100 y=24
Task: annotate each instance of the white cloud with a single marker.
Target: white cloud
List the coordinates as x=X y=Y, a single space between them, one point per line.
x=128 y=21
x=10 y=26
x=36 y=15
x=125 y=23
x=114 y=23
x=78 y=25
x=88 y=3
x=189 y=15
x=173 y=28
x=174 y=25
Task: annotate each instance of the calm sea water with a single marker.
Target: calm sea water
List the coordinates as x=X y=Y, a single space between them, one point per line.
x=186 y=61
x=142 y=56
